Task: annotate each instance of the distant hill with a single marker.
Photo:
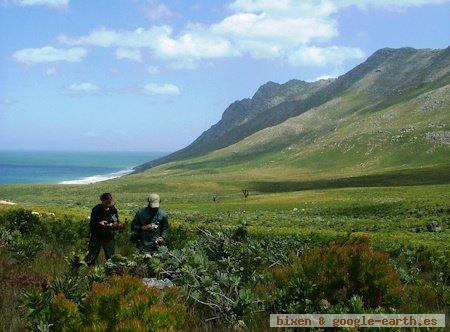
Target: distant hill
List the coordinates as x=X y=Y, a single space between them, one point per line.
x=392 y=110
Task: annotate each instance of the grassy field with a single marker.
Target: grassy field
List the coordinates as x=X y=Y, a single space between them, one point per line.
x=404 y=212
x=396 y=206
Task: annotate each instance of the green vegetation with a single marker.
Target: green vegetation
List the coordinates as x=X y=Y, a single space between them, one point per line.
x=233 y=259
x=233 y=246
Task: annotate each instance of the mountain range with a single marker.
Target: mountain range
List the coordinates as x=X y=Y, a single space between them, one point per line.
x=391 y=111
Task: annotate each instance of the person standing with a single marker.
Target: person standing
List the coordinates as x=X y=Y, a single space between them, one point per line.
x=103 y=224
x=151 y=225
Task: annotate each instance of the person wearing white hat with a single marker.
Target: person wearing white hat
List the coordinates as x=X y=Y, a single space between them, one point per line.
x=150 y=225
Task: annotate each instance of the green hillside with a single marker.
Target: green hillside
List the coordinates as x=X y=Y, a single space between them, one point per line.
x=380 y=87
x=331 y=141
x=344 y=142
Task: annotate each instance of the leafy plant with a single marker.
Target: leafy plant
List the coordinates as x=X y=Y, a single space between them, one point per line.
x=64 y=314
x=125 y=303
x=21 y=220
x=215 y=272
x=21 y=246
x=335 y=273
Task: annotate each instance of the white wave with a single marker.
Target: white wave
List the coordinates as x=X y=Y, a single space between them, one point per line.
x=99 y=178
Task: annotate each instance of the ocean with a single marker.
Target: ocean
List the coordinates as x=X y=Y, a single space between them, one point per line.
x=66 y=167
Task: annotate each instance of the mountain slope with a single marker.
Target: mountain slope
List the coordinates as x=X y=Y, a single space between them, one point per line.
x=241 y=113
x=387 y=78
x=411 y=133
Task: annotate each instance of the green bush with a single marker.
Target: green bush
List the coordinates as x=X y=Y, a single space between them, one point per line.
x=120 y=265
x=215 y=272
x=119 y=302
x=65 y=231
x=36 y=304
x=64 y=314
x=21 y=246
x=334 y=274
x=20 y=220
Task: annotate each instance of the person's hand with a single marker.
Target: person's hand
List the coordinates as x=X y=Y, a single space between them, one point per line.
x=104 y=223
x=147 y=227
x=160 y=240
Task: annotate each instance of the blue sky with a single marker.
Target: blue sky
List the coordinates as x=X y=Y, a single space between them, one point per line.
x=152 y=75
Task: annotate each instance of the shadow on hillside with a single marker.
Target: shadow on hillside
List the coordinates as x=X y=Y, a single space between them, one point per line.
x=410 y=177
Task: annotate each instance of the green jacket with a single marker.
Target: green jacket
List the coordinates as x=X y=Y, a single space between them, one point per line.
x=147 y=216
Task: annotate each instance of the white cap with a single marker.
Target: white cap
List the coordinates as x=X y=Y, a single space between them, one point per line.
x=154 y=200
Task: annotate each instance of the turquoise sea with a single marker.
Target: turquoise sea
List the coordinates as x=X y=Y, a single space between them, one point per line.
x=68 y=167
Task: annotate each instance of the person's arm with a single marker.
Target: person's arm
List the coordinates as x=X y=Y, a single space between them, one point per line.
x=164 y=227
x=94 y=222
x=95 y=218
x=136 y=223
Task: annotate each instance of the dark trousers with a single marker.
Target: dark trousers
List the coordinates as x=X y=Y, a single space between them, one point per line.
x=95 y=245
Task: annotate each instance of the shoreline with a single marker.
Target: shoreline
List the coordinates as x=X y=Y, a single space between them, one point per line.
x=67 y=167
x=98 y=178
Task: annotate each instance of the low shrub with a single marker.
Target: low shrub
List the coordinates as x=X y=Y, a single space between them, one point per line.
x=65 y=231
x=215 y=272
x=21 y=246
x=21 y=220
x=64 y=314
x=120 y=265
x=333 y=274
x=118 y=303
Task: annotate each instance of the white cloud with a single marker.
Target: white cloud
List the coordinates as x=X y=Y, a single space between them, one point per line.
x=31 y=56
x=265 y=36
x=288 y=30
x=259 y=5
x=287 y=8
x=130 y=54
x=324 y=77
x=60 y=4
x=156 y=10
x=138 y=38
x=317 y=8
x=152 y=70
x=84 y=87
x=194 y=43
x=321 y=56
x=278 y=28
x=389 y=3
x=161 y=89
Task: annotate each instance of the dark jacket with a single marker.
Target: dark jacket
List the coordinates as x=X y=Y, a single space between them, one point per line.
x=147 y=216
x=98 y=214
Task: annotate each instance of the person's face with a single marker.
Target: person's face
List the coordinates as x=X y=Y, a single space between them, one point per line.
x=108 y=202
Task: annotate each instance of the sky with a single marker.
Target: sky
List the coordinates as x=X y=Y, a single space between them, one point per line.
x=152 y=75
